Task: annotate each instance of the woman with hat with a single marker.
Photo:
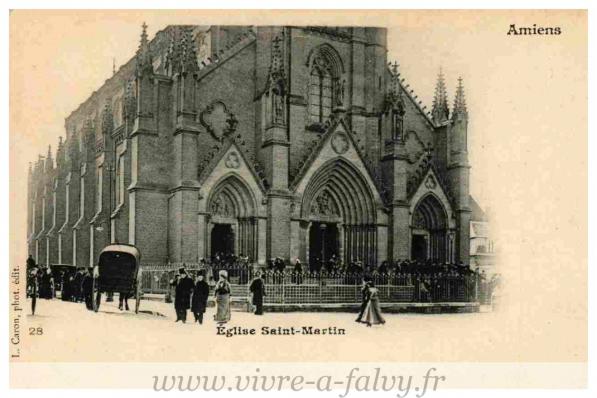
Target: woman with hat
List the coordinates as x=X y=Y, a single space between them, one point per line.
x=200 y=295
x=222 y=293
x=372 y=314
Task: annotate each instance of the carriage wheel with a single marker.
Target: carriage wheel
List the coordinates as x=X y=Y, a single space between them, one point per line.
x=137 y=298
x=96 y=295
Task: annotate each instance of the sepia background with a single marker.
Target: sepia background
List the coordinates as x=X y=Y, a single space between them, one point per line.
x=527 y=102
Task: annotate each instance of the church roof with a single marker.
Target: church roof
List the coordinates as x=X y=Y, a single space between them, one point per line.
x=410 y=94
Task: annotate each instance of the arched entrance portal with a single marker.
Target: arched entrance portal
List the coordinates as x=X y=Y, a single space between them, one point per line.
x=323 y=242
x=429 y=231
x=232 y=227
x=338 y=205
x=222 y=240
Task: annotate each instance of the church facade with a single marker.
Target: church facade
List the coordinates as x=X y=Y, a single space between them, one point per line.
x=291 y=142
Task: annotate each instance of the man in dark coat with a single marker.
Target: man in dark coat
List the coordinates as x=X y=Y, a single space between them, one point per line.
x=87 y=288
x=30 y=262
x=257 y=289
x=200 y=295
x=78 y=286
x=182 y=298
x=46 y=284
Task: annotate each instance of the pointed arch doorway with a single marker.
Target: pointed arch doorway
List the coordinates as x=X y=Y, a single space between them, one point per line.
x=429 y=240
x=222 y=240
x=232 y=226
x=324 y=242
x=340 y=210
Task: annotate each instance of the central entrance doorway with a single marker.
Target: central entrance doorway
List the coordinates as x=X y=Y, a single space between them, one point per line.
x=222 y=240
x=323 y=242
x=419 y=247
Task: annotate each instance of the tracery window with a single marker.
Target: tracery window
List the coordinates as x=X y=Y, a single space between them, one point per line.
x=320 y=91
x=120 y=180
x=99 y=191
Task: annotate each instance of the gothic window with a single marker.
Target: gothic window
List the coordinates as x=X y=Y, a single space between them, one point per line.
x=100 y=185
x=53 y=208
x=67 y=203
x=120 y=180
x=320 y=95
x=43 y=210
x=117 y=108
x=82 y=197
x=320 y=91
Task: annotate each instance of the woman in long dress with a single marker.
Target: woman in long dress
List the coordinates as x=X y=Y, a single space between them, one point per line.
x=222 y=293
x=372 y=314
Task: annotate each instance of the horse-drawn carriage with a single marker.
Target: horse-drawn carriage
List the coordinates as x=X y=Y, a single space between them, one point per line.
x=117 y=271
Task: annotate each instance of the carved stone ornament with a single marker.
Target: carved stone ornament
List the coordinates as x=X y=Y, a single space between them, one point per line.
x=340 y=143
x=232 y=161
x=218 y=120
x=323 y=205
x=419 y=220
x=430 y=183
x=222 y=207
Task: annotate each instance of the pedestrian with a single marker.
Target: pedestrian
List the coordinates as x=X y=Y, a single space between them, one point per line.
x=30 y=263
x=257 y=290
x=33 y=286
x=66 y=286
x=222 y=293
x=46 y=287
x=200 y=295
x=182 y=295
x=372 y=314
x=298 y=272
x=364 y=298
x=424 y=295
x=87 y=288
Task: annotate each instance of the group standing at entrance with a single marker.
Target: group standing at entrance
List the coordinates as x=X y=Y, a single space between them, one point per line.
x=194 y=294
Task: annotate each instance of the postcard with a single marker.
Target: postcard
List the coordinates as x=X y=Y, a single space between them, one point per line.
x=390 y=200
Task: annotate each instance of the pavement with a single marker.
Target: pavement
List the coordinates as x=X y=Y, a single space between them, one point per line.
x=72 y=333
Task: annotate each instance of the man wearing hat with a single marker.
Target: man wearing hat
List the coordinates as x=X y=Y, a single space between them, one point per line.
x=258 y=291
x=87 y=288
x=200 y=295
x=182 y=298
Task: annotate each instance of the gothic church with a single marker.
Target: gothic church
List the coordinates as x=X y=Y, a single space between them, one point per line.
x=292 y=142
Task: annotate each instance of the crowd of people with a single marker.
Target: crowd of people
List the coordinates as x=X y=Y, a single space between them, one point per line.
x=334 y=265
x=191 y=290
x=74 y=284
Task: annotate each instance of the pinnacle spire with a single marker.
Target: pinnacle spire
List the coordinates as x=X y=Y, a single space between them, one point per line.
x=277 y=65
x=395 y=79
x=144 y=41
x=459 y=101
x=144 y=62
x=49 y=152
x=188 y=52
x=440 y=111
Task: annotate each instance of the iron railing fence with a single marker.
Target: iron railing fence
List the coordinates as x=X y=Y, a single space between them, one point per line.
x=335 y=287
